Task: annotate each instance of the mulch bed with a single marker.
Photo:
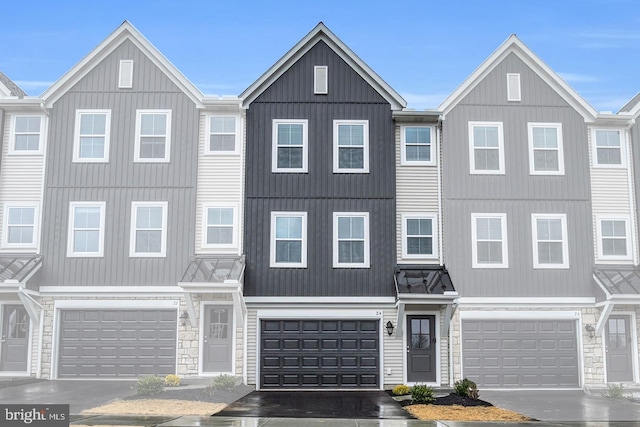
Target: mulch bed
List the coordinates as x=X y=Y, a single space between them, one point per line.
x=198 y=394
x=451 y=399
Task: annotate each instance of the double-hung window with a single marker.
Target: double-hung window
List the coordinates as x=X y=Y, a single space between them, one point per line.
x=489 y=237
x=290 y=146
x=350 y=146
x=86 y=229
x=26 y=135
x=545 y=149
x=613 y=238
x=417 y=145
x=91 y=140
x=148 y=229
x=20 y=225
x=608 y=148
x=419 y=236
x=486 y=148
x=222 y=131
x=153 y=136
x=351 y=240
x=550 y=248
x=289 y=239
x=220 y=226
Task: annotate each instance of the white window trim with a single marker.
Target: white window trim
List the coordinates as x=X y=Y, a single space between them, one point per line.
x=205 y=225
x=12 y=136
x=623 y=149
x=558 y=127
x=565 y=242
x=36 y=225
x=132 y=235
x=472 y=166
x=121 y=81
x=167 y=146
x=403 y=148
x=514 y=97
x=272 y=240
x=107 y=137
x=70 y=245
x=315 y=79
x=474 y=240
x=367 y=243
x=434 y=235
x=627 y=227
x=365 y=148
x=207 y=139
x=305 y=145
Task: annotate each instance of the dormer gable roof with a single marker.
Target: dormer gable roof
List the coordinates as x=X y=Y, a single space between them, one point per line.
x=631 y=108
x=322 y=33
x=124 y=32
x=514 y=45
x=8 y=89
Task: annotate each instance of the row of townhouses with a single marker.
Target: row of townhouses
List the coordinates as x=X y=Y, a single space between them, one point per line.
x=313 y=232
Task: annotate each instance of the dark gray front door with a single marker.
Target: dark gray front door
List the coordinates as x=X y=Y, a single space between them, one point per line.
x=217 y=339
x=15 y=339
x=421 y=349
x=314 y=353
x=619 y=352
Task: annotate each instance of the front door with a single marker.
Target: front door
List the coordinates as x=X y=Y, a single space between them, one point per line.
x=15 y=339
x=421 y=349
x=619 y=350
x=218 y=334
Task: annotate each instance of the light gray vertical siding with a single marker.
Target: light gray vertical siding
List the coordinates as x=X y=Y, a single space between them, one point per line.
x=320 y=192
x=120 y=181
x=516 y=193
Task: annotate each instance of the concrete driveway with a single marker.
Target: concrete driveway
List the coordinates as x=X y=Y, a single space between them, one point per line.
x=563 y=405
x=79 y=394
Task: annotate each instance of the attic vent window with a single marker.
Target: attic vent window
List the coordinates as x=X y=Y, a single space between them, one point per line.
x=125 y=79
x=320 y=79
x=513 y=87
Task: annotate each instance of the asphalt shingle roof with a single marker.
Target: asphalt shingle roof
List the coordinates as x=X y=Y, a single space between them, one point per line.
x=13 y=88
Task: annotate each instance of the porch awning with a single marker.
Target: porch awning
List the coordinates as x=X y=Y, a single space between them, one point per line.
x=424 y=285
x=620 y=286
x=221 y=275
x=15 y=272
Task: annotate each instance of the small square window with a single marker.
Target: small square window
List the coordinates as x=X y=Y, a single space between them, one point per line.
x=26 y=135
x=608 y=148
x=417 y=146
x=148 y=229
x=86 y=229
x=289 y=239
x=220 y=226
x=546 y=155
x=350 y=146
x=91 y=140
x=20 y=225
x=550 y=248
x=419 y=236
x=290 y=146
x=489 y=237
x=486 y=148
x=222 y=132
x=351 y=240
x=153 y=136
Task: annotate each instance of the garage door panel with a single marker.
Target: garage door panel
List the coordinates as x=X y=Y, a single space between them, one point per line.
x=117 y=343
x=520 y=353
x=341 y=356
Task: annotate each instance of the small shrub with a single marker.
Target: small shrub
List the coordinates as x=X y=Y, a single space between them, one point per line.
x=614 y=391
x=150 y=385
x=224 y=382
x=210 y=390
x=466 y=388
x=421 y=393
x=401 y=390
x=172 y=380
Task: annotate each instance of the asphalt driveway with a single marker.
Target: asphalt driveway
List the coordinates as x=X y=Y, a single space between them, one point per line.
x=79 y=394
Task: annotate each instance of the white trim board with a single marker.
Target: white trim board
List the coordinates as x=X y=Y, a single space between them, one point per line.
x=521 y=314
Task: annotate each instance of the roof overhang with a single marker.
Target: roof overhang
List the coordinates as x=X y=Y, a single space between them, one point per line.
x=620 y=286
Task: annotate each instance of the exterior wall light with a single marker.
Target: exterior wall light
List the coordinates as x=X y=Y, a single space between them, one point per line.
x=591 y=330
x=184 y=316
x=390 y=328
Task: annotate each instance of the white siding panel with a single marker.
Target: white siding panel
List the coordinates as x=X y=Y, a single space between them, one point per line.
x=393 y=352
x=252 y=345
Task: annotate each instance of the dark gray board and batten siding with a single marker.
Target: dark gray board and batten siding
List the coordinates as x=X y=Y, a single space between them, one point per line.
x=517 y=193
x=120 y=181
x=320 y=192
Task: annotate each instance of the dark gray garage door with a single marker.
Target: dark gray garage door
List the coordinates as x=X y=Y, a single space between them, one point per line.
x=117 y=343
x=520 y=353
x=319 y=354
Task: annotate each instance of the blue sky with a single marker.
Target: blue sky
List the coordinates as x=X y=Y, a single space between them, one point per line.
x=424 y=49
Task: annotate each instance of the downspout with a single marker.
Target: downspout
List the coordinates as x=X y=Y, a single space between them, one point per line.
x=632 y=199
x=439 y=171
